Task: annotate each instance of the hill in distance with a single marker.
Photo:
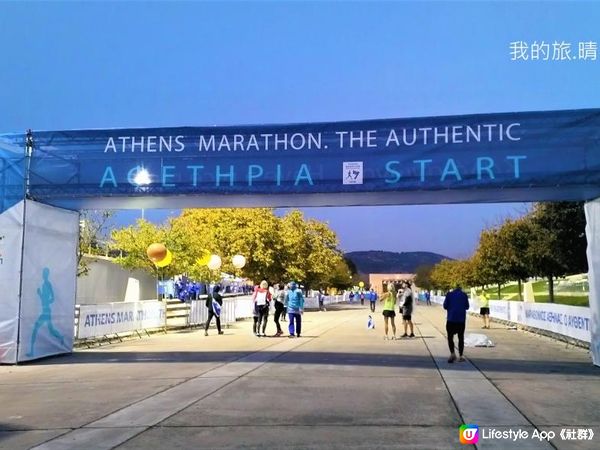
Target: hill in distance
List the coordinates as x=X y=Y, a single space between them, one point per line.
x=377 y=261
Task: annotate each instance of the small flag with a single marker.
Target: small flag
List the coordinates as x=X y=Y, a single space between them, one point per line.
x=370 y=324
x=216 y=308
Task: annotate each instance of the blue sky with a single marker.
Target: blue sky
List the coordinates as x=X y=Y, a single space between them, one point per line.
x=109 y=65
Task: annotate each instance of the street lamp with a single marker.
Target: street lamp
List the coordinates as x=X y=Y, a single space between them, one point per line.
x=142 y=178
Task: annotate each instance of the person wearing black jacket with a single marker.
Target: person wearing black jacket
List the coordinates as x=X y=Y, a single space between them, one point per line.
x=214 y=311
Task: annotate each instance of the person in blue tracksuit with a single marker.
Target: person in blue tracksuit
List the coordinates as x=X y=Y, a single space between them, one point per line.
x=295 y=309
x=372 y=299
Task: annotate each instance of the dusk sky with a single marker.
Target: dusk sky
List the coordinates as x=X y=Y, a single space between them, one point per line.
x=114 y=65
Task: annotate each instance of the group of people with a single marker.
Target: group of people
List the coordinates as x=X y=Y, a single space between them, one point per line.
x=403 y=296
x=372 y=296
x=456 y=303
x=288 y=300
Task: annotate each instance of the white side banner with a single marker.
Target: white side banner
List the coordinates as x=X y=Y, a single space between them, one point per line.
x=11 y=223
x=49 y=281
x=500 y=309
x=120 y=317
x=571 y=321
x=592 y=233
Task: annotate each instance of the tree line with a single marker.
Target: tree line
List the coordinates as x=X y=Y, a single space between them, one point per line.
x=548 y=242
x=277 y=249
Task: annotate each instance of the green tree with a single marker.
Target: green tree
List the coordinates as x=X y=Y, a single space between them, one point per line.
x=309 y=250
x=423 y=277
x=133 y=241
x=558 y=244
x=252 y=233
x=93 y=236
x=466 y=273
x=443 y=275
x=276 y=249
x=516 y=237
x=341 y=275
x=490 y=259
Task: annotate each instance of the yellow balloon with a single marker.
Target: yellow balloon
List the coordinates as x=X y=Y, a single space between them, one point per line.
x=361 y=284
x=166 y=261
x=204 y=259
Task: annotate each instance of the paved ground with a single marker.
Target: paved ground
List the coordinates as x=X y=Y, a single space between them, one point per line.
x=339 y=386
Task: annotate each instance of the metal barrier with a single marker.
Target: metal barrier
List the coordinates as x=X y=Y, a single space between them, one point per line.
x=244 y=307
x=228 y=312
x=313 y=302
x=198 y=312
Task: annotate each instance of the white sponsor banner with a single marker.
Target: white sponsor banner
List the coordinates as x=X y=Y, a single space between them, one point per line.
x=120 y=317
x=11 y=224
x=573 y=321
x=49 y=281
x=499 y=309
x=515 y=312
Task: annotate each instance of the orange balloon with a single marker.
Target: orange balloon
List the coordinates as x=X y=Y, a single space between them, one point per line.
x=156 y=252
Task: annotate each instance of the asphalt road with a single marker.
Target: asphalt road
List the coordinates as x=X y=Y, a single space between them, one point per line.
x=339 y=386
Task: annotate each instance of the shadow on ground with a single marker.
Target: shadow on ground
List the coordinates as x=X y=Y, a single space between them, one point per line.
x=541 y=366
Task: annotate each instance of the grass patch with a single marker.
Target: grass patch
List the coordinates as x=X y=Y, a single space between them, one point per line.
x=540 y=291
x=573 y=300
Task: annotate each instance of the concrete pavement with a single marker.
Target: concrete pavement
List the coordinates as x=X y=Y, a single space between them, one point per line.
x=339 y=386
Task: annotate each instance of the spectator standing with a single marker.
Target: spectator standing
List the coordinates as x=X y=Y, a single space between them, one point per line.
x=484 y=309
x=295 y=309
x=407 y=309
x=321 y=298
x=279 y=307
x=372 y=299
x=389 y=309
x=262 y=300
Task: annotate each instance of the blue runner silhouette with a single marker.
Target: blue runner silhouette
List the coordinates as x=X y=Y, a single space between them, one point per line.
x=46 y=294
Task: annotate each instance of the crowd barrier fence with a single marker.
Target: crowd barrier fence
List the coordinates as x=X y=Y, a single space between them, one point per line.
x=120 y=318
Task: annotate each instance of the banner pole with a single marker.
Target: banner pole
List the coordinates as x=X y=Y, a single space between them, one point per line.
x=29 y=144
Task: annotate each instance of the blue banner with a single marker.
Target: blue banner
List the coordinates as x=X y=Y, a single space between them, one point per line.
x=531 y=156
x=12 y=169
